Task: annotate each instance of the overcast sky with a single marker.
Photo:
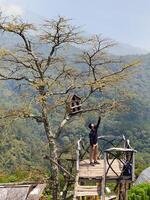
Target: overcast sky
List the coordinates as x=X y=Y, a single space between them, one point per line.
x=126 y=21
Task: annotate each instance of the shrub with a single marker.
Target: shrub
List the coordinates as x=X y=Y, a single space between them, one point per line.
x=140 y=192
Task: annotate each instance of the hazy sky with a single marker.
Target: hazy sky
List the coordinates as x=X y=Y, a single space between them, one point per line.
x=127 y=21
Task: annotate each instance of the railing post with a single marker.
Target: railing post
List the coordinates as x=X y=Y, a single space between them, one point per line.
x=124 y=141
x=133 y=166
x=77 y=163
x=103 y=179
x=78 y=154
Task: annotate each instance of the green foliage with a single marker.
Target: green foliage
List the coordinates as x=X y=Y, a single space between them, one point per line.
x=140 y=192
x=21 y=145
x=22 y=174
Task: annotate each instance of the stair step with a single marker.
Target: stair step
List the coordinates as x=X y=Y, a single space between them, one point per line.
x=87 y=193
x=87 y=190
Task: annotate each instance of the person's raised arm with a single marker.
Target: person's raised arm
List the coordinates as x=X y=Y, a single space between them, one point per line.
x=98 y=122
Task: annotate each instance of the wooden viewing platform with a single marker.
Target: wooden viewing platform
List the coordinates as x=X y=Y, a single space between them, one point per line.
x=97 y=171
x=117 y=166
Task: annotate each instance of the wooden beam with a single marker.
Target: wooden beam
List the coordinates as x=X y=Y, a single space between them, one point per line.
x=36 y=192
x=60 y=167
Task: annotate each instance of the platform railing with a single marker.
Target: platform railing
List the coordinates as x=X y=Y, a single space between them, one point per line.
x=107 y=142
x=126 y=157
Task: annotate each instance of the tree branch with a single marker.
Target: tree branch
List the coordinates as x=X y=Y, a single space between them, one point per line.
x=4 y=77
x=61 y=167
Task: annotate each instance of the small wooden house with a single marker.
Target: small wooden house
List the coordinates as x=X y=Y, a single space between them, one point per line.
x=73 y=104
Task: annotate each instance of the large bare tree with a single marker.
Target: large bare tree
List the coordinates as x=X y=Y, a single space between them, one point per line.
x=38 y=63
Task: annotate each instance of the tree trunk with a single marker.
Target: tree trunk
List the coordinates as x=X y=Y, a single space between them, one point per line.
x=65 y=190
x=55 y=170
x=53 y=154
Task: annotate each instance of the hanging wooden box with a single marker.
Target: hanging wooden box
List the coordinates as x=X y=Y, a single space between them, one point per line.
x=73 y=104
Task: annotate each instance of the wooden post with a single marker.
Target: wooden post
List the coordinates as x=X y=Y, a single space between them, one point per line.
x=77 y=163
x=126 y=190
x=98 y=196
x=103 y=179
x=78 y=154
x=120 y=191
x=133 y=167
x=123 y=190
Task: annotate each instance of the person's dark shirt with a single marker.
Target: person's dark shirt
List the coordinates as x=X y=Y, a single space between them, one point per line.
x=93 y=133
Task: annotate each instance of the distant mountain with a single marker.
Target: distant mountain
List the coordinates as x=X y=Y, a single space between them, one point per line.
x=126 y=49
x=121 y=49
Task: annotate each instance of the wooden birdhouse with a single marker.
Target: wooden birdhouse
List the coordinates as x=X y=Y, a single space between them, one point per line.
x=73 y=104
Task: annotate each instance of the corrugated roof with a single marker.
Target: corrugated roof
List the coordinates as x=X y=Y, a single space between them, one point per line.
x=144 y=177
x=21 y=191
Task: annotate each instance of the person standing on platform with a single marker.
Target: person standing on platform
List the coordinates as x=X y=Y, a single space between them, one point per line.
x=93 y=142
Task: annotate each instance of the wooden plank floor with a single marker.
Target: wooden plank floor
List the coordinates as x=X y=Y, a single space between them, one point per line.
x=96 y=171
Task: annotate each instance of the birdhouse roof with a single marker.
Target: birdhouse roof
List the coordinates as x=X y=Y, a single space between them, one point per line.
x=72 y=96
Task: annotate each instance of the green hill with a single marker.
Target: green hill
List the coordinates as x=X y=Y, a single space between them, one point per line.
x=22 y=143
